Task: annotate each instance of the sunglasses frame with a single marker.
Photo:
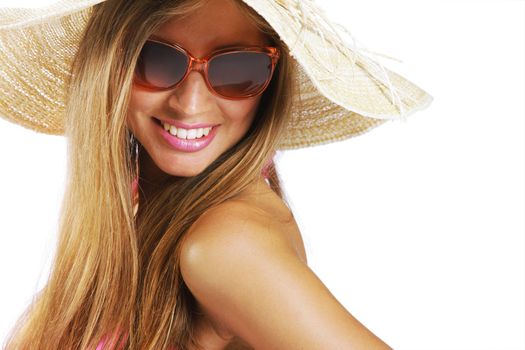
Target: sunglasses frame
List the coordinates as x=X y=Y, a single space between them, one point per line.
x=201 y=65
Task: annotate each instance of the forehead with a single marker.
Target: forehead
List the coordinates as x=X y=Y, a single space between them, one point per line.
x=216 y=24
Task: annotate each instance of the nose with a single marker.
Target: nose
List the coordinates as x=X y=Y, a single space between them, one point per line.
x=192 y=95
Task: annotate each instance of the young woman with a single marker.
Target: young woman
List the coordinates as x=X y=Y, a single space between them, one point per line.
x=174 y=232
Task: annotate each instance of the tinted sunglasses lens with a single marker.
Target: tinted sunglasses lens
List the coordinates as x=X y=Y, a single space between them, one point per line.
x=240 y=74
x=160 y=66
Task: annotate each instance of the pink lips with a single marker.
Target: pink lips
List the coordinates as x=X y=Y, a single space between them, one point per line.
x=187 y=145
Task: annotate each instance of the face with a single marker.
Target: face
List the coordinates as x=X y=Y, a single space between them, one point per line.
x=219 y=23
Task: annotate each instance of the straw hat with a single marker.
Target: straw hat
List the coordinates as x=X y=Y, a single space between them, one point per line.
x=342 y=92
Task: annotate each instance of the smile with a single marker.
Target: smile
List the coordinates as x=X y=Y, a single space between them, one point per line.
x=186 y=140
x=186 y=134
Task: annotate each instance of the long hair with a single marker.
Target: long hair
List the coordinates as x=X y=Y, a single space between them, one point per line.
x=112 y=276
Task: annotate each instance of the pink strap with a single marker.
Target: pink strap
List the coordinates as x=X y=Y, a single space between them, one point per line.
x=135 y=186
x=101 y=345
x=266 y=167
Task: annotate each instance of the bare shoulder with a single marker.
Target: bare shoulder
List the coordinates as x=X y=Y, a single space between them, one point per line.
x=248 y=277
x=258 y=214
x=244 y=226
x=234 y=227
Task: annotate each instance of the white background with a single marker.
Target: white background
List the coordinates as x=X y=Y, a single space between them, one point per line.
x=418 y=228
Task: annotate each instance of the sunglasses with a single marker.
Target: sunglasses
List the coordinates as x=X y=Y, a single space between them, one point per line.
x=234 y=73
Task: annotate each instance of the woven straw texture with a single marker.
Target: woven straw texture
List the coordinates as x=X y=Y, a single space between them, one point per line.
x=341 y=92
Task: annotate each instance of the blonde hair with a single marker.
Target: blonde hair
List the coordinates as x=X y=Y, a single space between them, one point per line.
x=110 y=272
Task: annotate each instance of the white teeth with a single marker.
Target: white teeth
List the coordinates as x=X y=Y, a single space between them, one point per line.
x=188 y=134
x=182 y=133
x=192 y=133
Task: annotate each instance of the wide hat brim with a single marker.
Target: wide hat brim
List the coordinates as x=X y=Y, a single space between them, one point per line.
x=341 y=91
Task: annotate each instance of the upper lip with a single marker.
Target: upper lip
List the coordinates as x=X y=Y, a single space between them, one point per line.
x=179 y=124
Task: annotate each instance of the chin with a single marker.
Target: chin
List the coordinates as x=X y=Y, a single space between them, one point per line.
x=185 y=171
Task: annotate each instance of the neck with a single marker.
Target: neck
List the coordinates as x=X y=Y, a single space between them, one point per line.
x=150 y=176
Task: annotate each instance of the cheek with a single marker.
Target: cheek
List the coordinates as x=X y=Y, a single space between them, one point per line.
x=140 y=105
x=241 y=112
x=140 y=101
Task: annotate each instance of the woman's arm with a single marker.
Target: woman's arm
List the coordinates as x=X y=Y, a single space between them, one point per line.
x=247 y=277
